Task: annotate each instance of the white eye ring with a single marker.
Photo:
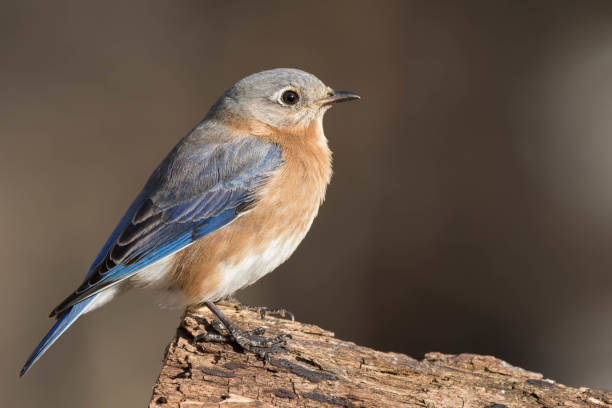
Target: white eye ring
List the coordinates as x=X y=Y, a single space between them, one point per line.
x=288 y=97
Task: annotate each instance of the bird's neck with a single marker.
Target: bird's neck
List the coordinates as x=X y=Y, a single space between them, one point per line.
x=306 y=154
x=306 y=148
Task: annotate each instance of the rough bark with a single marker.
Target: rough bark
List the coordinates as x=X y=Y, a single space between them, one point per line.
x=316 y=370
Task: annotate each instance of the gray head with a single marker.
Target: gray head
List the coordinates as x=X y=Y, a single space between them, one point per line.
x=282 y=97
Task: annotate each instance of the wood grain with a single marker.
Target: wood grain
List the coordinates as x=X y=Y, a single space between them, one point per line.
x=319 y=370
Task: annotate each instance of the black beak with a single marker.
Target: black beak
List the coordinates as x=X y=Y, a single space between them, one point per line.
x=339 y=96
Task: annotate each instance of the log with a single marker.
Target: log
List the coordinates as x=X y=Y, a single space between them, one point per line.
x=315 y=369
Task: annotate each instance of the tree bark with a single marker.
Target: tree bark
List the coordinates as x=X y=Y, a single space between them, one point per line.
x=317 y=370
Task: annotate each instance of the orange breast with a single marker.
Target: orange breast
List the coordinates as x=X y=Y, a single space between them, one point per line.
x=264 y=237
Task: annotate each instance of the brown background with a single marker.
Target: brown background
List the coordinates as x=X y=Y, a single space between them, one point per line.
x=470 y=209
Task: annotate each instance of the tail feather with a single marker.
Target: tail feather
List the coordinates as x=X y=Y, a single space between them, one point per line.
x=62 y=324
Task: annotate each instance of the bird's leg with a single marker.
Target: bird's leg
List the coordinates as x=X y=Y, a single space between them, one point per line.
x=263 y=311
x=220 y=328
x=248 y=340
x=219 y=337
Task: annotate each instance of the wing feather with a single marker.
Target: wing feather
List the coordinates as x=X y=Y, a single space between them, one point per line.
x=198 y=188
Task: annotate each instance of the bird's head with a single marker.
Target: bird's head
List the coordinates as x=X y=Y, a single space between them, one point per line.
x=282 y=98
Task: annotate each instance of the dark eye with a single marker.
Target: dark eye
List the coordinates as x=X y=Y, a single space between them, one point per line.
x=290 y=97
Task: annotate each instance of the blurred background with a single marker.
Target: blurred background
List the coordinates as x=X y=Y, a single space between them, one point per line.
x=470 y=210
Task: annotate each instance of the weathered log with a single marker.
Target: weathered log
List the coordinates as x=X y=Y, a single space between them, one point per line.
x=316 y=369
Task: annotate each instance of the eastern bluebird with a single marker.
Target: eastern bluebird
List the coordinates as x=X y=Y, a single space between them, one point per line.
x=230 y=202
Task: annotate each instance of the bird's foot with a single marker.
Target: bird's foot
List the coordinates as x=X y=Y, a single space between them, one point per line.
x=263 y=311
x=277 y=312
x=249 y=340
x=254 y=342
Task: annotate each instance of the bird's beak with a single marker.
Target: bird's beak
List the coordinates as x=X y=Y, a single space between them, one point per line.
x=338 y=96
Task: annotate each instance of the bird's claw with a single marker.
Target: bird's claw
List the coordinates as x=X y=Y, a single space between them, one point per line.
x=263 y=311
x=256 y=332
x=250 y=340
x=211 y=337
x=279 y=312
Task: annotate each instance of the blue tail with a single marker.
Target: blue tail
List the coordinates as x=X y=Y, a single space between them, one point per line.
x=62 y=324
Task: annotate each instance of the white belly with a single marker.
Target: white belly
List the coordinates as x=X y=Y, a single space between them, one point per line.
x=237 y=274
x=152 y=276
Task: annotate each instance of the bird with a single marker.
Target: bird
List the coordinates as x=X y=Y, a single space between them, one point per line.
x=230 y=203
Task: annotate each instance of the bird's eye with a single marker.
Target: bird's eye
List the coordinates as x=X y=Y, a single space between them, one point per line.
x=290 y=97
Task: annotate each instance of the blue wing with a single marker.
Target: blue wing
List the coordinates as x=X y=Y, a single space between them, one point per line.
x=198 y=188
x=202 y=185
